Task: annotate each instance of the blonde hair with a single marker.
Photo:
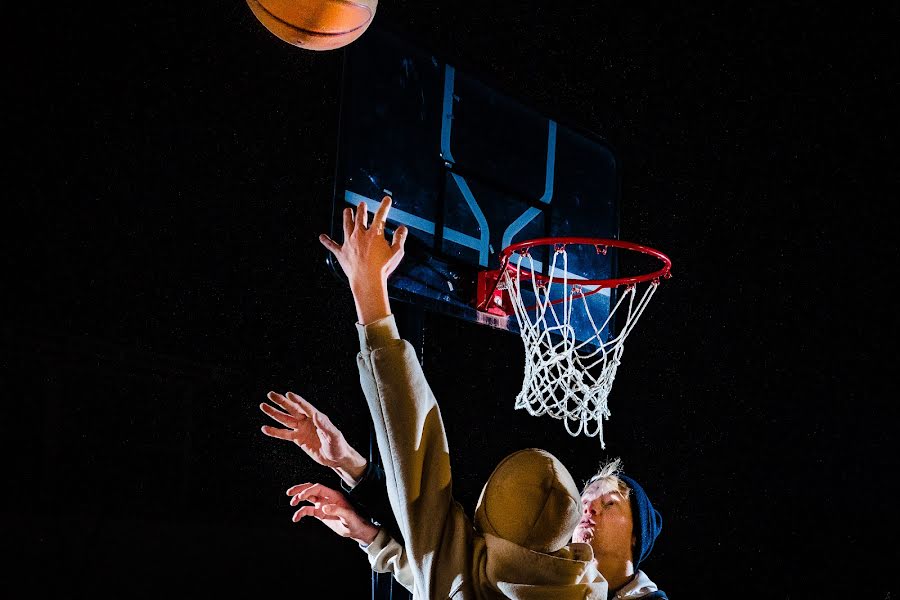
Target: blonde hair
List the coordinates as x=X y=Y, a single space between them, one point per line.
x=609 y=472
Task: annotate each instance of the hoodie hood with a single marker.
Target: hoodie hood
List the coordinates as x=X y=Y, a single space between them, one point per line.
x=530 y=500
x=522 y=574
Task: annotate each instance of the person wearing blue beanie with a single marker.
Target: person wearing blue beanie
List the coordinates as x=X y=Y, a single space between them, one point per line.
x=621 y=526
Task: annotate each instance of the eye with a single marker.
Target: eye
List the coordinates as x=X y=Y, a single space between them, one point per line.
x=611 y=501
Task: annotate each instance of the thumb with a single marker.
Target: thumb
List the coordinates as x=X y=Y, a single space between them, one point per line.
x=323 y=424
x=332 y=246
x=338 y=512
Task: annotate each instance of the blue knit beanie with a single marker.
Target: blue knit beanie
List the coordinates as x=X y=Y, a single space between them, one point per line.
x=647 y=521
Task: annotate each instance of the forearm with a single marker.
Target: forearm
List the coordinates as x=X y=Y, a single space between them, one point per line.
x=371 y=298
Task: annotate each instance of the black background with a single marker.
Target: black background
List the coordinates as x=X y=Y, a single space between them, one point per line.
x=169 y=166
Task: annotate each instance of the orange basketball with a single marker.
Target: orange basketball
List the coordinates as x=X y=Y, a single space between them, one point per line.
x=315 y=24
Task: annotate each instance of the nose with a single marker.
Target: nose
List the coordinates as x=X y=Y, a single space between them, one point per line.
x=588 y=511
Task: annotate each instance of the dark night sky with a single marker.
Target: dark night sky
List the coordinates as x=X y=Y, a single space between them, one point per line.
x=177 y=164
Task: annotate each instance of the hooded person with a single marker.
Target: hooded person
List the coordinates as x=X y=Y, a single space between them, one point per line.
x=519 y=544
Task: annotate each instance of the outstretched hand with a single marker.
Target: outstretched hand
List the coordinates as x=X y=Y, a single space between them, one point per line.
x=330 y=507
x=313 y=431
x=365 y=254
x=367 y=259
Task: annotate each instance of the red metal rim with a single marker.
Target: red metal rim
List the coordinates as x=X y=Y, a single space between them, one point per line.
x=523 y=247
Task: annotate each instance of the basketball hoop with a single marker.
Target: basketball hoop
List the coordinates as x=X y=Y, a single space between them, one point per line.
x=566 y=378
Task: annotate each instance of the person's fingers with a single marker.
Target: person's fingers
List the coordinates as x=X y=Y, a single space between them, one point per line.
x=339 y=512
x=309 y=511
x=301 y=404
x=399 y=241
x=289 y=406
x=361 y=216
x=283 y=418
x=324 y=424
x=397 y=249
x=381 y=214
x=348 y=223
x=317 y=489
x=282 y=434
x=295 y=500
x=329 y=243
x=296 y=489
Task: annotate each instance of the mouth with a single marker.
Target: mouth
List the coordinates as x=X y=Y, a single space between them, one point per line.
x=586 y=524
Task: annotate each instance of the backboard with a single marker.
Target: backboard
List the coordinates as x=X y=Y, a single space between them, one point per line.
x=470 y=170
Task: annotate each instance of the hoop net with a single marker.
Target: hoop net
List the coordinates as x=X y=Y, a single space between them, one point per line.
x=564 y=378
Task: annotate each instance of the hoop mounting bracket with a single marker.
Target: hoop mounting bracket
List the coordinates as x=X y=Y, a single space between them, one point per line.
x=491 y=298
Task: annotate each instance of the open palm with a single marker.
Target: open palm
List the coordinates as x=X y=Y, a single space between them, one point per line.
x=309 y=428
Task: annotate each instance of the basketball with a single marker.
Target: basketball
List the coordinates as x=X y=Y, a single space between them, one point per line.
x=315 y=24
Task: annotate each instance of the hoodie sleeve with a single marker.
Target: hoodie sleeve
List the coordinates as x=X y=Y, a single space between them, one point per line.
x=414 y=454
x=369 y=496
x=387 y=556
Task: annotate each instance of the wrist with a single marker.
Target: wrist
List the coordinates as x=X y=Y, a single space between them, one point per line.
x=371 y=299
x=352 y=468
x=366 y=535
x=368 y=282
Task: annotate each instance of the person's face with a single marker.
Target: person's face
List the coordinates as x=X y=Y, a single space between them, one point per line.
x=605 y=522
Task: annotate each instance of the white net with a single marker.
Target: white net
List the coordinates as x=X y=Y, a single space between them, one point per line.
x=564 y=378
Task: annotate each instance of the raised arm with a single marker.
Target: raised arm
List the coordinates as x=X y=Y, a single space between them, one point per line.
x=408 y=424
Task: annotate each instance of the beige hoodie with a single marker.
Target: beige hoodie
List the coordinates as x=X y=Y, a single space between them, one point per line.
x=527 y=512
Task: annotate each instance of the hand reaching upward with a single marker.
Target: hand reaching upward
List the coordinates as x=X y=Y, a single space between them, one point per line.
x=367 y=259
